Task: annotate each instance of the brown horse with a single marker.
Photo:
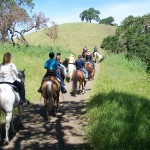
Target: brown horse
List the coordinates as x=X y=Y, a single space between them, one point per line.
x=91 y=72
x=78 y=76
x=84 y=54
x=50 y=93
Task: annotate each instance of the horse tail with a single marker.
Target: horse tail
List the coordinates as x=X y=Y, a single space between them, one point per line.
x=74 y=81
x=49 y=95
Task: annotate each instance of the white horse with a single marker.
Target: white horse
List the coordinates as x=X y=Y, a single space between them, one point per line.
x=71 y=68
x=98 y=57
x=9 y=99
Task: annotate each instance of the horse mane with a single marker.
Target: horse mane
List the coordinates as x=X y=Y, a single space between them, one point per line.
x=66 y=62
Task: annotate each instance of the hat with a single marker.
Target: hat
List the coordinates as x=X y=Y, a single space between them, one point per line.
x=80 y=56
x=88 y=50
x=71 y=55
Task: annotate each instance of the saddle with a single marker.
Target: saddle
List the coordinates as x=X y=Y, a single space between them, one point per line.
x=53 y=78
x=13 y=86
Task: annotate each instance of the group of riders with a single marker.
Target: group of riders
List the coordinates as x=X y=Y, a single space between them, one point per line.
x=54 y=66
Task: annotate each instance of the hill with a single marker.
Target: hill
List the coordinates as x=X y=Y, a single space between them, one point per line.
x=74 y=36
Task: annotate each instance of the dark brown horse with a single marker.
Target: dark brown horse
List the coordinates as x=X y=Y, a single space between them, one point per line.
x=91 y=72
x=50 y=93
x=84 y=54
x=78 y=77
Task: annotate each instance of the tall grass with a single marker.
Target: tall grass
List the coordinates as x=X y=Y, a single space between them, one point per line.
x=119 y=108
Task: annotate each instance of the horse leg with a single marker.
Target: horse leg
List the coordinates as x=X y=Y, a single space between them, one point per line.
x=83 y=88
x=7 y=126
x=55 y=106
x=46 y=108
x=80 y=91
x=20 y=114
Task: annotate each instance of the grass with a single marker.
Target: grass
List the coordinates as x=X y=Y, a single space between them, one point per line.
x=74 y=36
x=118 y=110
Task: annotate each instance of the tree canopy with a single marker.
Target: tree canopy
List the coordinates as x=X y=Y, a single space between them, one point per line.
x=89 y=15
x=107 y=21
x=15 y=20
x=132 y=37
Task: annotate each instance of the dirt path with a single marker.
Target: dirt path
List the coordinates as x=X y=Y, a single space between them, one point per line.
x=64 y=132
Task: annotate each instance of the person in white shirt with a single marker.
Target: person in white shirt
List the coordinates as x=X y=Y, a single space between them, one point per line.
x=9 y=74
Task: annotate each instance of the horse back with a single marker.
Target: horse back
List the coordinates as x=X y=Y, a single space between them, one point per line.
x=9 y=98
x=88 y=66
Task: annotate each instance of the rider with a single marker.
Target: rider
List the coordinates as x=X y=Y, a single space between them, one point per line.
x=79 y=63
x=58 y=58
x=88 y=58
x=99 y=55
x=71 y=59
x=95 y=49
x=9 y=75
x=52 y=65
x=84 y=51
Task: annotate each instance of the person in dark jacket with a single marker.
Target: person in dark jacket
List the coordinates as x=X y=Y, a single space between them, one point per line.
x=79 y=63
x=88 y=58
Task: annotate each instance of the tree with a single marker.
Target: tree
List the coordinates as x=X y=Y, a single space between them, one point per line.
x=15 y=20
x=107 y=21
x=52 y=32
x=89 y=15
x=132 y=37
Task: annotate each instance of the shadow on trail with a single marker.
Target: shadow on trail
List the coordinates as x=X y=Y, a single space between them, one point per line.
x=39 y=134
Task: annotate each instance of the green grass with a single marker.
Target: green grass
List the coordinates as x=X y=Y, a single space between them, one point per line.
x=74 y=36
x=118 y=110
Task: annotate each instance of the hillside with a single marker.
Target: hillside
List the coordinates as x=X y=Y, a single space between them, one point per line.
x=74 y=36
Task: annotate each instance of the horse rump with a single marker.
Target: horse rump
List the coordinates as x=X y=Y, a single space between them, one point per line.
x=50 y=93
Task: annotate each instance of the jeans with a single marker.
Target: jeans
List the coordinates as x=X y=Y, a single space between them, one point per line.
x=21 y=88
x=85 y=72
x=61 y=81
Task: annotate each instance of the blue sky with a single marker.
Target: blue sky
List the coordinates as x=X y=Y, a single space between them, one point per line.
x=65 y=11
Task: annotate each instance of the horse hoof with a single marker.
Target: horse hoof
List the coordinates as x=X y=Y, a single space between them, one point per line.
x=6 y=142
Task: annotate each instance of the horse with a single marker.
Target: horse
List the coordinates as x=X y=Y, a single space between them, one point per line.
x=78 y=76
x=50 y=93
x=91 y=72
x=71 y=69
x=97 y=57
x=66 y=62
x=9 y=99
x=84 y=54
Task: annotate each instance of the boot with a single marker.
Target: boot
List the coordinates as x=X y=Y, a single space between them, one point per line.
x=40 y=90
x=63 y=90
x=24 y=102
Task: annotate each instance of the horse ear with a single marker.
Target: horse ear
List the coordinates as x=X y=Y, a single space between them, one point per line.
x=23 y=70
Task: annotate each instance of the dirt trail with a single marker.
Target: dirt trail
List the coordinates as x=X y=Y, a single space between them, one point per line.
x=64 y=132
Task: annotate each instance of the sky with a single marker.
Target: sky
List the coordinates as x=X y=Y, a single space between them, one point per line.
x=66 y=11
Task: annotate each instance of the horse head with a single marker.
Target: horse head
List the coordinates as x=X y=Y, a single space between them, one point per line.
x=21 y=75
x=66 y=62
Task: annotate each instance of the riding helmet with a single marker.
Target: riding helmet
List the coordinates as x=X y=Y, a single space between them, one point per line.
x=51 y=54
